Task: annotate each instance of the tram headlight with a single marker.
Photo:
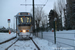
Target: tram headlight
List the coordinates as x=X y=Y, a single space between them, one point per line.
x=24 y=31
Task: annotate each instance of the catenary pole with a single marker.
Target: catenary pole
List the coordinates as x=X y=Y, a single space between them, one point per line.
x=33 y=19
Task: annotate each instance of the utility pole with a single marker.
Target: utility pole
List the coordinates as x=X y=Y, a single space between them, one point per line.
x=33 y=19
x=54 y=34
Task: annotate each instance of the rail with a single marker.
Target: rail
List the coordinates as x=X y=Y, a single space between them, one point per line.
x=35 y=44
x=8 y=40
x=11 y=45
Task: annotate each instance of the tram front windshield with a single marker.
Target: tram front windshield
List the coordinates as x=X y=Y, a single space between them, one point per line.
x=25 y=20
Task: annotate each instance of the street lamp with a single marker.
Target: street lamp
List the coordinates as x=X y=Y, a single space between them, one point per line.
x=54 y=30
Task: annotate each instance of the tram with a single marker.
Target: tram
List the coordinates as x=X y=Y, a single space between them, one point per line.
x=23 y=25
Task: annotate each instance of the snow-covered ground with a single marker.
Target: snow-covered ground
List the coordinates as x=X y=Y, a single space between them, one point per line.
x=5 y=45
x=65 y=39
x=6 y=36
x=43 y=44
x=24 y=44
x=29 y=45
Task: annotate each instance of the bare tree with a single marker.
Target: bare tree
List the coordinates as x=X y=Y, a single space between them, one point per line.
x=39 y=14
x=43 y=19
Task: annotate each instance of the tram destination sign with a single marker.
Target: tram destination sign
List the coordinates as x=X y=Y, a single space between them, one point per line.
x=24 y=14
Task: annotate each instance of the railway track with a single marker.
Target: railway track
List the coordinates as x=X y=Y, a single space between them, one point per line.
x=11 y=45
x=18 y=39
x=7 y=40
x=35 y=44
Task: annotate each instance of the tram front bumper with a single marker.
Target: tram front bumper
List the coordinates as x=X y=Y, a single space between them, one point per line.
x=24 y=35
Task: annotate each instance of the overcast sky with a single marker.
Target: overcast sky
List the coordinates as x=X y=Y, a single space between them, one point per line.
x=9 y=8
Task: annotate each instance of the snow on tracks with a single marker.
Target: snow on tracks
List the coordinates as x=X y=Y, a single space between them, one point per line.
x=23 y=45
x=35 y=44
x=6 y=36
x=11 y=45
x=7 y=40
x=5 y=45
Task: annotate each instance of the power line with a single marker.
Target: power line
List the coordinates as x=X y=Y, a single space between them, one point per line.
x=45 y=4
x=35 y=4
x=32 y=5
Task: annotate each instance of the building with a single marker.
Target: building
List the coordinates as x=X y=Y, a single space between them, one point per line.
x=70 y=10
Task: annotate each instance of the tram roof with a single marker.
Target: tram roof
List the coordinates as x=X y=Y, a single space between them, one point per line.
x=23 y=15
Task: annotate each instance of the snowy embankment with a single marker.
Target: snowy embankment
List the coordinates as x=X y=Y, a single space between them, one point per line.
x=6 y=36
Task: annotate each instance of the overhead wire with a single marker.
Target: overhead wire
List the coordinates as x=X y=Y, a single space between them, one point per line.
x=45 y=4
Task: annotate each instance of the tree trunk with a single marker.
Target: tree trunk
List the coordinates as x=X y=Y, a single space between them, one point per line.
x=36 y=28
x=61 y=20
x=57 y=24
